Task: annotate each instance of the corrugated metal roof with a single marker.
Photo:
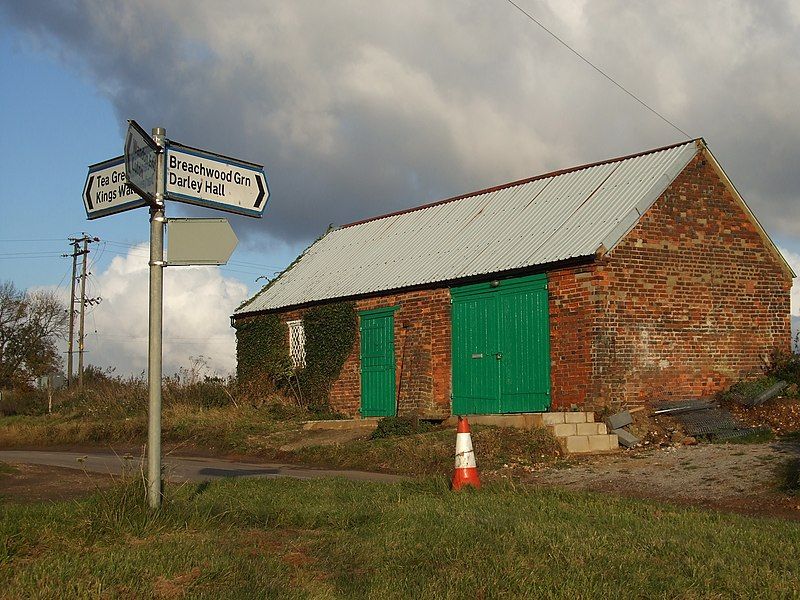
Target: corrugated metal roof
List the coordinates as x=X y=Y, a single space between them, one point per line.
x=550 y=218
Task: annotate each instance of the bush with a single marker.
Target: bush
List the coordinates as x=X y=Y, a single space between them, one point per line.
x=23 y=402
x=786 y=366
x=394 y=426
x=748 y=388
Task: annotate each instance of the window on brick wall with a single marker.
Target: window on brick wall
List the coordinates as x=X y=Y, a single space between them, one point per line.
x=297 y=343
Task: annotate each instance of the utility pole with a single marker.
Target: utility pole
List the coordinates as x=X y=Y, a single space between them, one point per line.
x=83 y=311
x=76 y=252
x=74 y=243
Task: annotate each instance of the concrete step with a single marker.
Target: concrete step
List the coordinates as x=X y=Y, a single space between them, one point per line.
x=339 y=424
x=567 y=429
x=526 y=420
x=585 y=444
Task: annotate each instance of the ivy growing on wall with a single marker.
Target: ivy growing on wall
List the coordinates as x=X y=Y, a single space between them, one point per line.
x=330 y=334
x=262 y=348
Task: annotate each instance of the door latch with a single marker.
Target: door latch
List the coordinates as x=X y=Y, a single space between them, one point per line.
x=498 y=355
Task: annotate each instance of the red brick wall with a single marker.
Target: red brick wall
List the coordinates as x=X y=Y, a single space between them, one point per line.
x=573 y=304
x=422 y=354
x=691 y=300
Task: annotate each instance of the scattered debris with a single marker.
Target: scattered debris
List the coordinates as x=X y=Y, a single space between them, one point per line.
x=703 y=418
x=767 y=394
x=617 y=424
x=619 y=420
x=683 y=406
x=626 y=438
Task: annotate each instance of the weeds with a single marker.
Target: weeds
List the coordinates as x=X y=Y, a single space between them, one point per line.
x=390 y=426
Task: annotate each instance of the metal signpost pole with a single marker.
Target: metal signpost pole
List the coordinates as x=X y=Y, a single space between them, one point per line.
x=157 y=221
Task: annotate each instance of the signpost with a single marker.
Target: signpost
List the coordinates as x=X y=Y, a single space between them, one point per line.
x=199 y=241
x=215 y=181
x=106 y=190
x=141 y=154
x=157 y=169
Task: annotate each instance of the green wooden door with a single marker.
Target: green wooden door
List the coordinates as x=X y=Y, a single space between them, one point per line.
x=377 y=362
x=476 y=370
x=501 y=347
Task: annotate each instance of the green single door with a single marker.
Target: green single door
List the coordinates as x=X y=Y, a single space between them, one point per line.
x=501 y=347
x=377 y=362
x=476 y=369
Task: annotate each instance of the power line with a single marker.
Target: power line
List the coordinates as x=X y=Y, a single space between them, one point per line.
x=598 y=69
x=32 y=254
x=33 y=240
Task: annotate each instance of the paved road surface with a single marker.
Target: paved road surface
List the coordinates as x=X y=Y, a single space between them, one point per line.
x=181 y=468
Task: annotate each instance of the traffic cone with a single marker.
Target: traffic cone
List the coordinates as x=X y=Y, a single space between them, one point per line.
x=466 y=472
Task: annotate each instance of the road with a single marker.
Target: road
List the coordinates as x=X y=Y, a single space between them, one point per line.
x=178 y=469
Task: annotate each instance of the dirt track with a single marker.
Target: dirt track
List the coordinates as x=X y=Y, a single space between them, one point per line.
x=737 y=477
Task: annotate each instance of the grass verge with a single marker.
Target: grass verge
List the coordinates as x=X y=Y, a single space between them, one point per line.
x=339 y=539
x=262 y=432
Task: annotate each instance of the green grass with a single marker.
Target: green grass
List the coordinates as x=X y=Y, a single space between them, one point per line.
x=6 y=469
x=339 y=539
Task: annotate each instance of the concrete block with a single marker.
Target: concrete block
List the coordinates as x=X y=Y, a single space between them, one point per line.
x=620 y=420
x=553 y=418
x=575 y=417
x=564 y=429
x=626 y=438
x=533 y=420
x=577 y=444
x=602 y=443
x=590 y=429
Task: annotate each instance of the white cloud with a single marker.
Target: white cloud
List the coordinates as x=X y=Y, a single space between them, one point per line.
x=197 y=304
x=359 y=108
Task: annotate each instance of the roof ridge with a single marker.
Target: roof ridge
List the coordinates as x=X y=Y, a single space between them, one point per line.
x=520 y=182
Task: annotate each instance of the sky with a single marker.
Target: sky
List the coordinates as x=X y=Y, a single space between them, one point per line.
x=356 y=109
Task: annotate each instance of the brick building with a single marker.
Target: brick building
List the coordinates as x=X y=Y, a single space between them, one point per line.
x=635 y=279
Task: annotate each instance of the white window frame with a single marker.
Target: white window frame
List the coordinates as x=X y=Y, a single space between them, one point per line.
x=297 y=343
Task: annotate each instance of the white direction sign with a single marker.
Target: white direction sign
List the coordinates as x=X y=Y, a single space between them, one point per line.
x=215 y=181
x=106 y=190
x=199 y=241
x=140 y=160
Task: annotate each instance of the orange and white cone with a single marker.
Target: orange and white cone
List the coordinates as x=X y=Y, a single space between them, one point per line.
x=466 y=472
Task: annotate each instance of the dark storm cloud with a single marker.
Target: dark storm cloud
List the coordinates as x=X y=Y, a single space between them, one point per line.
x=357 y=108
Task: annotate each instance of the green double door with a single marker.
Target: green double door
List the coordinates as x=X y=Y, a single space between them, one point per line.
x=501 y=347
x=377 y=362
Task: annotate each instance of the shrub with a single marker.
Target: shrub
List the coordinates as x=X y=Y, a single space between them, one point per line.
x=394 y=426
x=786 y=366
x=23 y=402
